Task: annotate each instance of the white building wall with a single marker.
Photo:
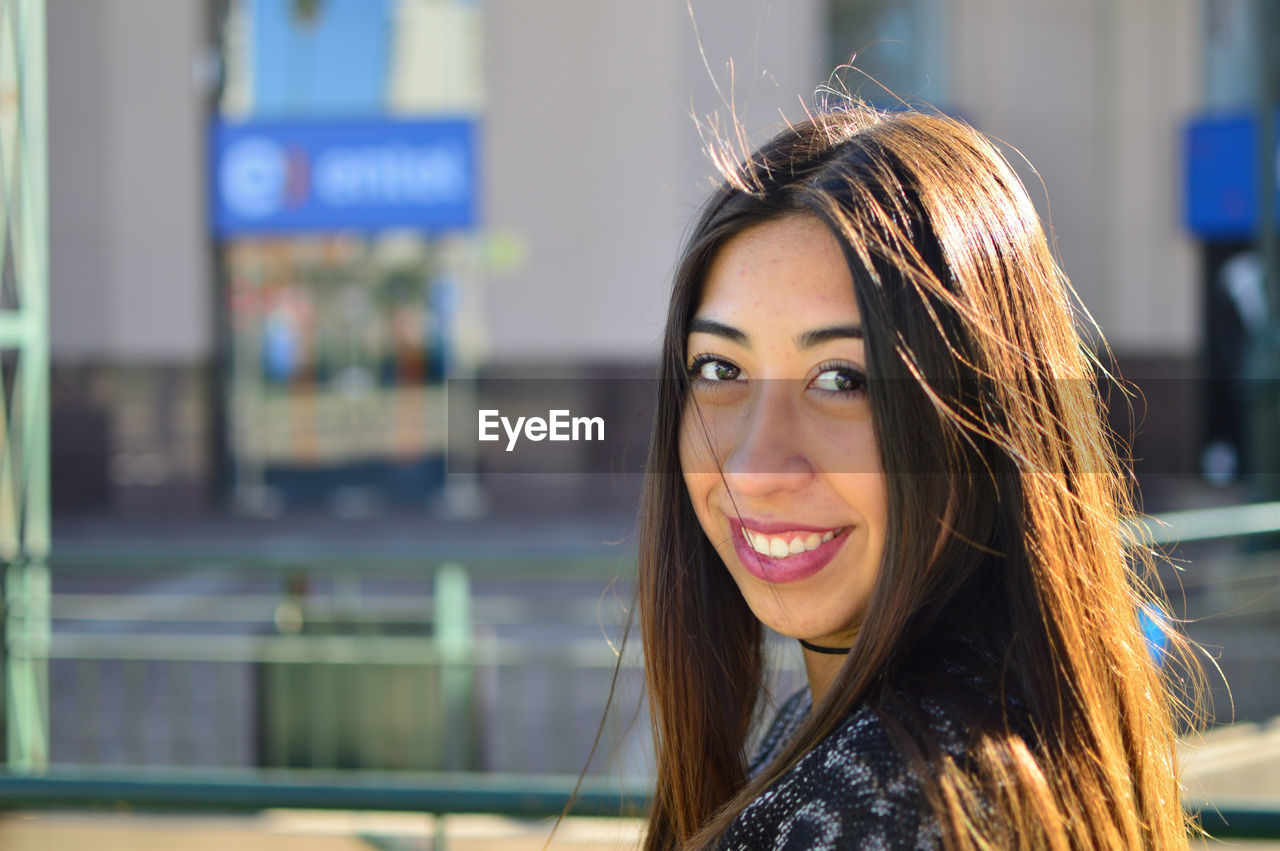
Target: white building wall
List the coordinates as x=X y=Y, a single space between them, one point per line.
x=1155 y=301
x=592 y=162
x=129 y=270
x=79 y=201
x=1094 y=95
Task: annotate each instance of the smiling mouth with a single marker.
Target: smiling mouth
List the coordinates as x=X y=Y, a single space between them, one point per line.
x=787 y=544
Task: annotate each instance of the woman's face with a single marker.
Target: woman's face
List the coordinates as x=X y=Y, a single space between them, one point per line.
x=777 y=368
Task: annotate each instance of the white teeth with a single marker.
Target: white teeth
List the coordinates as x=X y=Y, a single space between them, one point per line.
x=781 y=546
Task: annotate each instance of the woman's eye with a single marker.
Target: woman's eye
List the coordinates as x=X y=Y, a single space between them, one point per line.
x=714 y=370
x=841 y=380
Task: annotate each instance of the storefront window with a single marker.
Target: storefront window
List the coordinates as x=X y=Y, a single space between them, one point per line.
x=344 y=176
x=898 y=49
x=1230 y=55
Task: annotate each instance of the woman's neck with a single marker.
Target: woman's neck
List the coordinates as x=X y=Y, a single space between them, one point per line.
x=821 y=669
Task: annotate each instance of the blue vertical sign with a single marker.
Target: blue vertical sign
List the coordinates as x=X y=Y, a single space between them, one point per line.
x=324 y=176
x=1221 y=188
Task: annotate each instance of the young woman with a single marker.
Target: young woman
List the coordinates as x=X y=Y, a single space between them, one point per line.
x=885 y=441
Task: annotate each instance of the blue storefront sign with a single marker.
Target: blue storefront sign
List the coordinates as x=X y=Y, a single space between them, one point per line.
x=1221 y=177
x=324 y=176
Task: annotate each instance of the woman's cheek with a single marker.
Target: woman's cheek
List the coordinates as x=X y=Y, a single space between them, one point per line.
x=702 y=437
x=696 y=472
x=847 y=447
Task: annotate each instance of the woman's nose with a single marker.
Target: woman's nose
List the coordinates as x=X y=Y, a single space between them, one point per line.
x=767 y=455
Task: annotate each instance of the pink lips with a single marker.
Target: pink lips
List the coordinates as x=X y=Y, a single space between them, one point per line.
x=791 y=568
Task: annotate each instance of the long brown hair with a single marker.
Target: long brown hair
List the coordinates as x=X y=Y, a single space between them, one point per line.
x=1006 y=512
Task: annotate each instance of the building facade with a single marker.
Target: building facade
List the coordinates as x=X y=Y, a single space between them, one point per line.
x=591 y=169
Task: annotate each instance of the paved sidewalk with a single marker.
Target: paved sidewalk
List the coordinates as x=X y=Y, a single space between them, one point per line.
x=304 y=831
x=338 y=831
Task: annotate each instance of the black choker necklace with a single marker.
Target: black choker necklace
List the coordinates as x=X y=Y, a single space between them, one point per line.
x=818 y=648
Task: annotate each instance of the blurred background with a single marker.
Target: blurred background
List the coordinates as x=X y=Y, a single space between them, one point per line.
x=246 y=245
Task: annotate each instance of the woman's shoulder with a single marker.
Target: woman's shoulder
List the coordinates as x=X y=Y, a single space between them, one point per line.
x=786 y=721
x=961 y=678
x=854 y=790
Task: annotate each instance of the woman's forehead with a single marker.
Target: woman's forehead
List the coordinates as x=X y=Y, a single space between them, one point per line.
x=785 y=275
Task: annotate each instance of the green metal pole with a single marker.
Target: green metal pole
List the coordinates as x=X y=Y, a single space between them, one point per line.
x=24 y=536
x=36 y=385
x=453 y=638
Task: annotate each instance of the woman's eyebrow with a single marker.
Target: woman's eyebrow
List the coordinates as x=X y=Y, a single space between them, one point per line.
x=717 y=329
x=805 y=340
x=809 y=339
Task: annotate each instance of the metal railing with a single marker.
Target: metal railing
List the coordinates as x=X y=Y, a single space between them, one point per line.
x=350 y=683
x=24 y=378
x=384 y=670
x=334 y=681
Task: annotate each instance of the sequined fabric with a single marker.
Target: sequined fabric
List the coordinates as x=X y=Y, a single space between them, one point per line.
x=855 y=790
